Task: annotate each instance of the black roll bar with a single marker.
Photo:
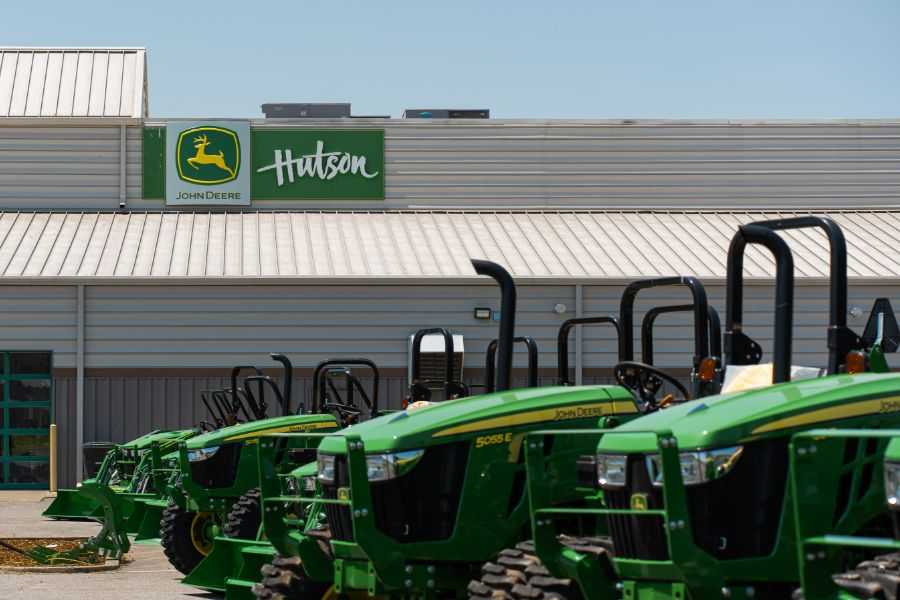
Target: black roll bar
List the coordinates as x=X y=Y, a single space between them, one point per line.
x=288 y=380
x=700 y=307
x=562 y=342
x=261 y=381
x=715 y=330
x=319 y=373
x=841 y=339
x=739 y=348
x=491 y=356
x=507 y=318
x=236 y=401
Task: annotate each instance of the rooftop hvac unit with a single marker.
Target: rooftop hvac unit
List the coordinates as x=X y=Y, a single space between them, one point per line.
x=446 y=113
x=306 y=110
x=432 y=362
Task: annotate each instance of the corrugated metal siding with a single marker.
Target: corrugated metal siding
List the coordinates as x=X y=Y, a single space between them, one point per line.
x=220 y=326
x=39 y=317
x=541 y=164
x=556 y=163
x=316 y=246
x=61 y=82
x=65 y=167
x=64 y=416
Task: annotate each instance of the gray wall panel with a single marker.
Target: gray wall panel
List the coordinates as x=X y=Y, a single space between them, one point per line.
x=518 y=163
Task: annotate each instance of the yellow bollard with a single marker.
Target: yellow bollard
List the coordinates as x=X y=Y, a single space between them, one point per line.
x=53 y=458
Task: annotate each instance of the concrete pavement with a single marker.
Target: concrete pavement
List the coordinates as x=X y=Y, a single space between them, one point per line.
x=148 y=577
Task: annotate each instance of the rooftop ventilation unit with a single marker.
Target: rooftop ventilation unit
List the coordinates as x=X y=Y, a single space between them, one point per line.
x=306 y=110
x=446 y=113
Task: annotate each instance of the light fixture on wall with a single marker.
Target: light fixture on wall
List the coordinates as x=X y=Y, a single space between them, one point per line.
x=482 y=314
x=560 y=308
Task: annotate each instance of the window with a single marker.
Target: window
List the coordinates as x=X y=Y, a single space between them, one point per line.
x=25 y=416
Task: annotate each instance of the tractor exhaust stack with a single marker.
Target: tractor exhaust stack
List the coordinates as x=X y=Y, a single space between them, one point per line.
x=507 y=318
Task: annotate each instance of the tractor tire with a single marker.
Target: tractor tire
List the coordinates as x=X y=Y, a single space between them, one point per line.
x=245 y=517
x=176 y=536
x=285 y=579
x=517 y=574
x=877 y=578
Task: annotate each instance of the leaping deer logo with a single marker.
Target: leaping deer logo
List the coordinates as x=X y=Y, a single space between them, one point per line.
x=202 y=158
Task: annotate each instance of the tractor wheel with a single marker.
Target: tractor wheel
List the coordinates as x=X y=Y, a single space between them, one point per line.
x=186 y=537
x=285 y=579
x=517 y=573
x=245 y=517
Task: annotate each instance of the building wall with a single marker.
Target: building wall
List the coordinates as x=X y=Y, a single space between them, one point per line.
x=150 y=350
x=505 y=163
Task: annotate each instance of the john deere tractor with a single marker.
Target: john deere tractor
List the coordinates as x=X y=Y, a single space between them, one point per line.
x=130 y=470
x=696 y=499
x=411 y=503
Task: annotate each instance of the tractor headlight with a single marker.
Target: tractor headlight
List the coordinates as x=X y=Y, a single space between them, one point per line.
x=326 y=467
x=380 y=467
x=892 y=485
x=308 y=483
x=698 y=467
x=611 y=470
x=202 y=454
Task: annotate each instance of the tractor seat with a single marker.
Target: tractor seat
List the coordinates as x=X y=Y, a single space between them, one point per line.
x=740 y=378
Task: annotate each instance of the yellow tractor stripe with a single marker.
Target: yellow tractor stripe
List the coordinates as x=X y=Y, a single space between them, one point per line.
x=560 y=413
x=834 y=413
x=284 y=429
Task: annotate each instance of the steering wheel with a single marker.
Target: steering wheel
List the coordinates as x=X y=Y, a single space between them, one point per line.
x=645 y=381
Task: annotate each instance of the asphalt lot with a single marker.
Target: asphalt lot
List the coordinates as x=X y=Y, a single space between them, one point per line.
x=148 y=577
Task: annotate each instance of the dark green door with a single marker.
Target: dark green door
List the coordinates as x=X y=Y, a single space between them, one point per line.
x=25 y=417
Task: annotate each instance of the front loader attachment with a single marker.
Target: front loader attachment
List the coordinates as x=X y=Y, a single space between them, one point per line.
x=232 y=567
x=73 y=505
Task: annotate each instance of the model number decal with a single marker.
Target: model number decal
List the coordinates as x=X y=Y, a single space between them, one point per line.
x=578 y=412
x=490 y=440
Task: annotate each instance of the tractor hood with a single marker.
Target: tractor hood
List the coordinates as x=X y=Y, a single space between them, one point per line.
x=145 y=441
x=453 y=420
x=255 y=429
x=774 y=411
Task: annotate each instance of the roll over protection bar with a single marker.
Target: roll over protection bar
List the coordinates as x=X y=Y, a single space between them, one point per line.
x=507 y=318
x=841 y=339
x=264 y=380
x=259 y=412
x=288 y=380
x=319 y=373
x=739 y=348
x=490 y=362
x=715 y=330
x=700 y=307
x=562 y=342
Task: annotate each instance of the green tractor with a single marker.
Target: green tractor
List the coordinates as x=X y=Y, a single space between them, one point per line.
x=411 y=503
x=696 y=499
x=129 y=469
x=843 y=477
x=234 y=558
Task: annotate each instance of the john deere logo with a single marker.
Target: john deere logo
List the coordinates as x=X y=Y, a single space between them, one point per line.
x=208 y=155
x=639 y=502
x=343 y=493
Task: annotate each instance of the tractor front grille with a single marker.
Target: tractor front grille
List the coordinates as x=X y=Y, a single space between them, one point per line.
x=420 y=506
x=734 y=517
x=219 y=470
x=641 y=537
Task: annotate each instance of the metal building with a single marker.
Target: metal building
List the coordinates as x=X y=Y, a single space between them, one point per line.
x=120 y=302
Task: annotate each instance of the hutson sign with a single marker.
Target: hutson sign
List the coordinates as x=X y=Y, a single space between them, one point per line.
x=318 y=163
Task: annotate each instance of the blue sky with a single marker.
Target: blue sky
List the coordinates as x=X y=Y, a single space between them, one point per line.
x=600 y=59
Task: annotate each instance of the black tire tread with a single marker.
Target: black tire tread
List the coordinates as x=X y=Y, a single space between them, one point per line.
x=245 y=517
x=877 y=578
x=175 y=537
x=284 y=579
x=517 y=574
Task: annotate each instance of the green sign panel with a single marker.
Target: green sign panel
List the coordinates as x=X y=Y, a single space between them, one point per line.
x=297 y=164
